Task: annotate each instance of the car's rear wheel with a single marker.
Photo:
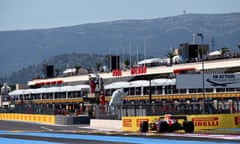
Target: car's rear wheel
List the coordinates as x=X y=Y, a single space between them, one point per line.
x=153 y=126
x=144 y=126
x=188 y=126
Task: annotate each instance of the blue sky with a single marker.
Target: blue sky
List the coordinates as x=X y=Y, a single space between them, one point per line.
x=32 y=14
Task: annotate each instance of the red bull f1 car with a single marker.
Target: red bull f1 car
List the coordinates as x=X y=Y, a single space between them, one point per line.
x=168 y=123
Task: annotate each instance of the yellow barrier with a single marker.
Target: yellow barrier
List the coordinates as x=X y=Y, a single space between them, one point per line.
x=201 y=122
x=215 y=121
x=45 y=119
x=133 y=123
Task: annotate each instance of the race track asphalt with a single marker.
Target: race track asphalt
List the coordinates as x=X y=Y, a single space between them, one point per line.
x=73 y=134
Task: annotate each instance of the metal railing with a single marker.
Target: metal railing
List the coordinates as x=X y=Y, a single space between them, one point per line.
x=167 y=108
x=116 y=112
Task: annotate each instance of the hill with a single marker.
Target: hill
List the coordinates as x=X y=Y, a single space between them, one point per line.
x=21 y=49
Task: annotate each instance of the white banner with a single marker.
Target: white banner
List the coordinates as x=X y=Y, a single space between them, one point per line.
x=210 y=81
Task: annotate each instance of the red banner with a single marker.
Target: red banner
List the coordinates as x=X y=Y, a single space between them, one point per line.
x=116 y=72
x=138 y=70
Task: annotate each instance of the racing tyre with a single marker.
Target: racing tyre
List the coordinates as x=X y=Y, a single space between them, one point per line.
x=144 y=126
x=153 y=126
x=162 y=126
x=188 y=126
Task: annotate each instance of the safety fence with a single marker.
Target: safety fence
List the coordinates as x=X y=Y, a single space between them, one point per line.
x=118 y=111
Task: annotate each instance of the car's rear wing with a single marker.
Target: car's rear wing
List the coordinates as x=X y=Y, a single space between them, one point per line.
x=175 y=117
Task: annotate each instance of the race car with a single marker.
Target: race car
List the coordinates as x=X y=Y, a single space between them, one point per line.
x=168 y=123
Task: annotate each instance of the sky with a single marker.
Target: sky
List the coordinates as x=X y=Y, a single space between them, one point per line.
x=37 y=14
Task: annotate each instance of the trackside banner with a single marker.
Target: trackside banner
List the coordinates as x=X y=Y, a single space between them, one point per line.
x=210 y=81
x=38 y=118
x=201 y=122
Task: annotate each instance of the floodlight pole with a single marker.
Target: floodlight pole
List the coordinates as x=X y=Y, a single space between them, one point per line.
x=203 y=75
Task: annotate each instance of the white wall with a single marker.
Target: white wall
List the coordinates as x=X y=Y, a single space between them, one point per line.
x=106 y=124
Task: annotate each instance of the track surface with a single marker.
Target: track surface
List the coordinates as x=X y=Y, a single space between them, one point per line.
x=20 y=132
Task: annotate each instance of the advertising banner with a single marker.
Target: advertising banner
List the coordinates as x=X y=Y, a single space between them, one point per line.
x=201 y=122
x=188 y=81
x=47 y=119
x=133 y=123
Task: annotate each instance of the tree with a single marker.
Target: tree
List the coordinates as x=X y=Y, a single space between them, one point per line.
x=224 y=50
x=57 y=71
x=127 y=63
x=170 y=55
x=239 y=46
x=77 y=67
x=199 y=52
x=98 y=65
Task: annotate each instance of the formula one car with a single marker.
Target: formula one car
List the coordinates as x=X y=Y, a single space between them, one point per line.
x=168 y=123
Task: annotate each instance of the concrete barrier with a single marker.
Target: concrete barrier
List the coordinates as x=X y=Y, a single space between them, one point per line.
x=70 y=120
x=106 y=124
